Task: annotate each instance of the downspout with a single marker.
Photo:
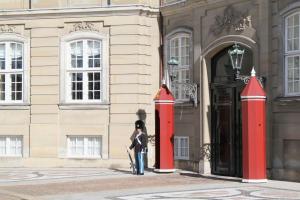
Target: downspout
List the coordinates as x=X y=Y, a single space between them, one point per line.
x=29 y=4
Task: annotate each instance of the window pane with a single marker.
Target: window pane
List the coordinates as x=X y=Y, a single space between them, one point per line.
x=2 y=87
x=94 y=85
x=91 y=86
x=296 y=86
x=290 y=75
x=77 y=54
x=77 y=86
x=16 y=86
x=16 y=55
x=290 y=45
x=296 y=74
x=176 y=147
x=296 y=44
x=290 y=87
x=290 y=33
x=2 y=146
x=97 y=95
x=94 y=52
x=97 y=86
x=296 y=20
x=97 y=63
x=2 y=56
x=93 y=148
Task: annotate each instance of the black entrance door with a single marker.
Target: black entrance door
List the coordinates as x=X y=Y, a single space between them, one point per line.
x=226 y=126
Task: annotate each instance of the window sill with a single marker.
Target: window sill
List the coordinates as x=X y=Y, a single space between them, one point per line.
x=184 y=104
x=14 y=106
x=10 y=157
x=72 y=106
x=84 y=158
x=184 y=159
x=288 y=99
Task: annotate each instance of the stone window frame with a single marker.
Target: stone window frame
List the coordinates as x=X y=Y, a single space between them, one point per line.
x=291 y=55
x=179 y=32
x=177 y=140
x=289 y=10
x=9 y=38
x=64 y=89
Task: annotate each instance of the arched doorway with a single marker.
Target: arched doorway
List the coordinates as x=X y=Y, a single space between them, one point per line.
x=226 y=122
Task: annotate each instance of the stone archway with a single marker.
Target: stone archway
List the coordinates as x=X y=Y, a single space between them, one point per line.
x=216 y=49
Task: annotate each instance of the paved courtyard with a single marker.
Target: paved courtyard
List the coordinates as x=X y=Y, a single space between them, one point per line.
x=118 y=184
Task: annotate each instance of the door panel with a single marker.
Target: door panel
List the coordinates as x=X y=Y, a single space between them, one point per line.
x=226 y=122
x=222 y=118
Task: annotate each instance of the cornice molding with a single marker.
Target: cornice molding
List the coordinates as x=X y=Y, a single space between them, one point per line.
x=65 y=11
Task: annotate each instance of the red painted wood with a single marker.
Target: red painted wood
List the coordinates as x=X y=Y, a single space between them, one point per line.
x=254 y=131
x=164 y=106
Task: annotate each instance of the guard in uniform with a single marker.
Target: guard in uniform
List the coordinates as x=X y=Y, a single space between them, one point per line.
x=139 y=144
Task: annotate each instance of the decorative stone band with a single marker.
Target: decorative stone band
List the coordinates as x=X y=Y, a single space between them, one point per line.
x=260 y=98
x=164 y=102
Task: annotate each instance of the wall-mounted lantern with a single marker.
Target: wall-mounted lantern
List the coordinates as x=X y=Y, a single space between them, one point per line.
x=236 y=54
x=189 y=88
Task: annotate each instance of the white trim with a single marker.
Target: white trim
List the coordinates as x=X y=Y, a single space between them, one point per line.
x=181 y=157
x=164 y=101
x=165 y=170
x=253 y=100
x=81 y=35
x=254 y=180
x=253 y=97
x=13 y=37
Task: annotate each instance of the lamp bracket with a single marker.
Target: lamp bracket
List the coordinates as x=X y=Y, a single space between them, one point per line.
x=246 y=79
x=191 y=89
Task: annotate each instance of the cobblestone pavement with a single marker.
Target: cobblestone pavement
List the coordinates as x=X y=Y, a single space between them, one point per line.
x=243 y=193
x=22 y=175
x=116 y=184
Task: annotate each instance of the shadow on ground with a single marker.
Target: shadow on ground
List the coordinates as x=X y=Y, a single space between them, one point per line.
x=229 y=179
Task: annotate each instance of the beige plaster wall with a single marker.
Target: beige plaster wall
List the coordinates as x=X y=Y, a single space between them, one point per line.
x=133 y=78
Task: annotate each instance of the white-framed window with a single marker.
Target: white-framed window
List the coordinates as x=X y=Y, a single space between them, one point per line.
x=84 y=146
x=84 y=68
x=181 y=147
x=179 y=47
x=292 y=54
x=12 y=73
x=11 y=146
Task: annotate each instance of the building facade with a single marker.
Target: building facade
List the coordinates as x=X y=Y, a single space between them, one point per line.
x=75 y=75
x=199 y=34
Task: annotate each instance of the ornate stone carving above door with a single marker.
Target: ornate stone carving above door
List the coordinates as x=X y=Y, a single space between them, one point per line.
x=232 y=19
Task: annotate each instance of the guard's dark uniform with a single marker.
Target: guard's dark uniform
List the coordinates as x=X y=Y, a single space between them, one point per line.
x=139 y=144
